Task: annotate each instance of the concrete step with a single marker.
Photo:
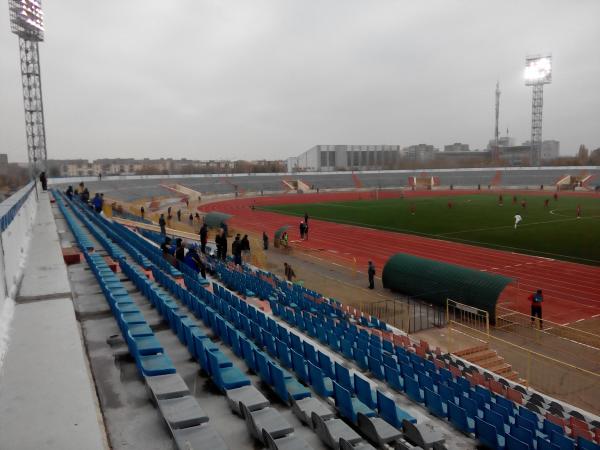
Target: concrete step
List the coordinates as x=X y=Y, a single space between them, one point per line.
x=482 y=356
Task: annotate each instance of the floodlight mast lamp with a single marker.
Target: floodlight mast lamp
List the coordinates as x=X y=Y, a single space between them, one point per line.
x=27 y=22
x=538 y=71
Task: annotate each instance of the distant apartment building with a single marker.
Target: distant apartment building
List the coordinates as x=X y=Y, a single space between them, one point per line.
x=3 y=164
x=323 y=158
x=419 y=152
x=516 y=155
x=456 y=147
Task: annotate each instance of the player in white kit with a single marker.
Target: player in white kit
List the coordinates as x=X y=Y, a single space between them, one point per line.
x=518 y=219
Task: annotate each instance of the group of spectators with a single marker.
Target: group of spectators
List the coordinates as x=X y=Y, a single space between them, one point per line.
x=96 y=203
x=176 y=253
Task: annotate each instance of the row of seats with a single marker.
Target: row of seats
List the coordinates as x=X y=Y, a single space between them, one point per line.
x=186 y=420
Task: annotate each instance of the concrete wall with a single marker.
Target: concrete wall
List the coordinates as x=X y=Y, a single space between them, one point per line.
x=18 y=214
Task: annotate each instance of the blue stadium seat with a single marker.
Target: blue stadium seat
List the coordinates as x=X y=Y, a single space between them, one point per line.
x=299 y=366
x=320 y=383
x=584 y=444
x=375 y=367
x=287 y=388
x=226 y=378
x=563 y=442
x=545 y=444
x=458 y=417
x=342 y=376
x=512 y=443
x=364 y=392
x=283 y=353
x=390 y=412
x=349 y=406
x=487 y=435
x=413 y=390
x=435 y=405
x=393 y=378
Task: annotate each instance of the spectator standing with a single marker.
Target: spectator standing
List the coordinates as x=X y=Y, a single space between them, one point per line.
x=536 y=307
x=162 y=223
x=142 y=211
x=224 y=244
x=371 y=273
x=191 y=219
x=97 y=203
x=265 y=241
x=301 y=230
x=218 y=243
x=245 y=246
x=306 y=218
x=289 y=272
x=306 y=231
x=44 y=181
x=203 y=237
x=69 y=192
x=236 y=250
x=178 y=215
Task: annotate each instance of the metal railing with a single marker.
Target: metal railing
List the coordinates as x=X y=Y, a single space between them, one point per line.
x=406 y=313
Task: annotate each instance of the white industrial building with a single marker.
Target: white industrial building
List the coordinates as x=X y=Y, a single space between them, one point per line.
x=323 y=158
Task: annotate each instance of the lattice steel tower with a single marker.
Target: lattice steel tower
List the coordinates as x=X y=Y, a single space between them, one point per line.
x=27 y=22
x=538 y=71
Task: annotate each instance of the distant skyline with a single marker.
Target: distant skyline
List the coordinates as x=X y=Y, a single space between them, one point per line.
x=268 y=79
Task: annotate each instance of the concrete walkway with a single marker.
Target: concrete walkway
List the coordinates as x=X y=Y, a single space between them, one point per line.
x=47 y=395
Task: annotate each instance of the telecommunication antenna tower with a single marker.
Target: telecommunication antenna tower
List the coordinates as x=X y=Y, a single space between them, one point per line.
x=496 y=155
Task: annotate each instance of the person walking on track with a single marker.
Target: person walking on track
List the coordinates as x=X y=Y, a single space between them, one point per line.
x=371 y=273
x=536 y=307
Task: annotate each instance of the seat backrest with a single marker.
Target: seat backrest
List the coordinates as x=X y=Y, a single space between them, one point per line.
x=296 y=343
x=458 y=417
x=342 y=376
x=310 y=353
x=545 y=444
x=215 y=371
x=343 y=401
x=283 y=353
x=585 y=444
x=316 y=379
x=524 y=422
x=522 y=434
x=299 y=366
x=550 y=426
x=325 y=364
x=563 y=442
x=433 y=402
x=486 y=433
x=263 y=367
x=514 y=443
x=446 y=393
x=469 y=405
x=495 y=419
x=363 y=390
x=529 y=415
x=278 y=382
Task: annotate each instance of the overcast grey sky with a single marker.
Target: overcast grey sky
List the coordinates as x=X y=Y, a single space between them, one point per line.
x=253 y=79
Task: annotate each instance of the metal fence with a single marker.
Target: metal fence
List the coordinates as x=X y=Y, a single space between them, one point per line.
x=406 y=313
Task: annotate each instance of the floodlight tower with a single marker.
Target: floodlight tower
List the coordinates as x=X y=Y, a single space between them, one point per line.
x=27 y=22
x=538 y=71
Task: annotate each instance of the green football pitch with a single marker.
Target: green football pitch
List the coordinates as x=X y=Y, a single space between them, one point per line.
x=479 y=220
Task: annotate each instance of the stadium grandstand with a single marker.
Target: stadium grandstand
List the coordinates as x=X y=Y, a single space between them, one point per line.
x=137 y=350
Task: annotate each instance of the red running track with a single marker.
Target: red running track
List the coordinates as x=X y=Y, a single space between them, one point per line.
x=571 y=291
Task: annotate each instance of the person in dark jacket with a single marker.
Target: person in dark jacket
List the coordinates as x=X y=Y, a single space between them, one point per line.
x=165 y=246
x=371 y=273
x=142 y=211
x=162 y=223
x=245 y=246
x=69 y=192
x=203 y=237
x=180 y=251
x=178 y=215
x=265 y=241
x=302 y=228
x=97 y=203
x=536 y=300
x=44 y=181
x=236 y=250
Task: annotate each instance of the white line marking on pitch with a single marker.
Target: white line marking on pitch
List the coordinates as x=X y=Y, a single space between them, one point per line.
x=596 y=315
x=580 y=320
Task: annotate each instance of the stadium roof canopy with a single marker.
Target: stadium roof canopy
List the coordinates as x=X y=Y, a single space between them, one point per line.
x=436 y=281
